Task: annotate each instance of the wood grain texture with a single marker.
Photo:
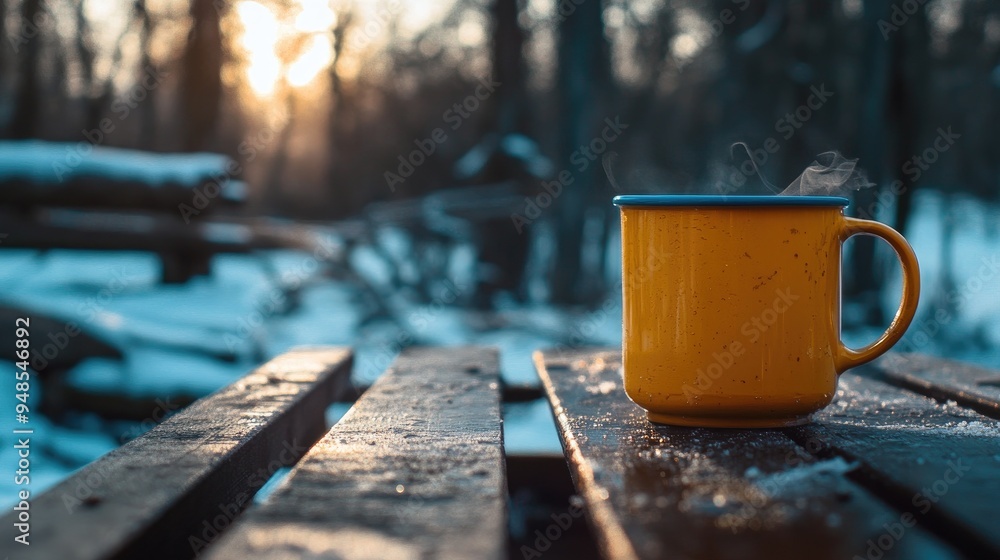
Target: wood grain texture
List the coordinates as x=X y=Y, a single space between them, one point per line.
x=196 y=470
x=938 y=461
x=975 y=387
x=690 y=493
x=414 y=470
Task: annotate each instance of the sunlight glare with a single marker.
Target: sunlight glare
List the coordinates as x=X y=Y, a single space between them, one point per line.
x=316 y=57
x=315 y=16
x=421 y=14
x=470 y=32
x=697 y=34
x=684 y=46
x=293 y=48
x=259 y=40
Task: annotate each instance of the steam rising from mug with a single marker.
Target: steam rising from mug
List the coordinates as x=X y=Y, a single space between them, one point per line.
x=608 y=160
x=830 y=175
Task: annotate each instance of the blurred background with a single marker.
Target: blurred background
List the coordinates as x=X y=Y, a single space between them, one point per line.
x=189 y=187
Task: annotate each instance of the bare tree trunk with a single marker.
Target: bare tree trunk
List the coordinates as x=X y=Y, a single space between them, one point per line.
x=976 y=161
x=96 y=101
x=508 y=67
x=201 y=83
x=3 y=64
x=272 y=185
x=584 y=72
x=341 y=123
x=84 y=48
x=501 y=246
x=147 y=135
x=912 y=59
x=863 y=281
x=28 y=99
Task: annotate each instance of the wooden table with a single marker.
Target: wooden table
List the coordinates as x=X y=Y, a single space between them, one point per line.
x=884 y=472
x=416 y=469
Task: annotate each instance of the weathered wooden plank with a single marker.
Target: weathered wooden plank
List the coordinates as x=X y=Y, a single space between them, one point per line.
x=975 y=387
x=414 y=470
x=671 y=492
x=938 y=461
x=197 y=469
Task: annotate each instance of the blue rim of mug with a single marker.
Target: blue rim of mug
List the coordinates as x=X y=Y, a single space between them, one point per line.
x=726 y=200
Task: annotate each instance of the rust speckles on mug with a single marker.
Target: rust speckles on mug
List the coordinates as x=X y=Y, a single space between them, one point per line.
x=765 y=280
x=706 y=340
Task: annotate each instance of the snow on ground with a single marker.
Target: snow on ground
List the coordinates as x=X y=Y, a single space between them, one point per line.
x=173 y=335
x=186 y=339
x=153 y=372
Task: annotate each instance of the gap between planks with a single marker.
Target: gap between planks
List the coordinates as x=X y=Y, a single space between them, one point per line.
x=147 y=497
x=415 y=469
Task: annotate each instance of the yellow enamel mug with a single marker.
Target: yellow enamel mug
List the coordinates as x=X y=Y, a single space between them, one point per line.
x=731 y=306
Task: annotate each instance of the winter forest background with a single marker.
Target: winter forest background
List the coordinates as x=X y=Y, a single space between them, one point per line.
x=451 y=155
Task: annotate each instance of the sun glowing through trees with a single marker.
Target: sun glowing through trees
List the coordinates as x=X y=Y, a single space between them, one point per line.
x=316 y=57
x=291 y=45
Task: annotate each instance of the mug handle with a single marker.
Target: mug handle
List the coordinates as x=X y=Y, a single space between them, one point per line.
x=848 y=358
